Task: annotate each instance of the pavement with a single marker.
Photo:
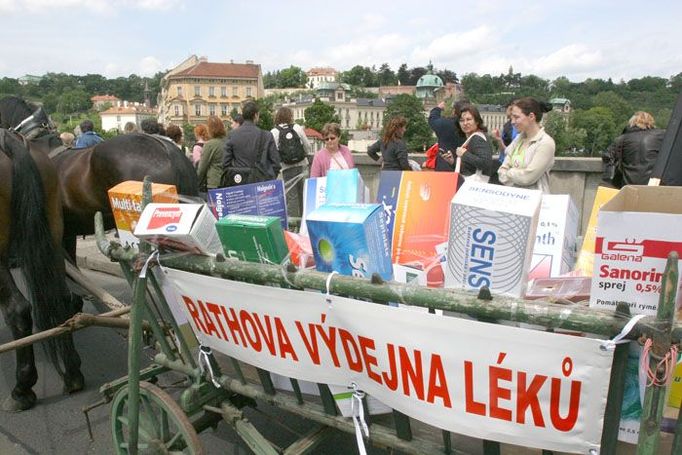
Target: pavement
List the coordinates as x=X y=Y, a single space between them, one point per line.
x=88 y=256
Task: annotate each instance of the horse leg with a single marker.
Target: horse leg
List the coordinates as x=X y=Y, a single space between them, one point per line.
x=69 y=244
x=73 y=378
x=17 y=313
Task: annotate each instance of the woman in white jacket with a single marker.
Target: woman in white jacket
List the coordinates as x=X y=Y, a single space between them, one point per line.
x=530 y=156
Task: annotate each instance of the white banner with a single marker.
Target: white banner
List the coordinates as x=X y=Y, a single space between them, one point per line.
x=495 y=382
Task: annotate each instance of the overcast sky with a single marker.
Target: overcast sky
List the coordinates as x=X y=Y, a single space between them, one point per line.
x=578 y=39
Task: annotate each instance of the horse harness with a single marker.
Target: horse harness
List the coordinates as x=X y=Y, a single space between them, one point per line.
x=32 y=126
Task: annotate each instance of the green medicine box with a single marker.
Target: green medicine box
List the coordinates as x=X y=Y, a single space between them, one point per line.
x=252 y=238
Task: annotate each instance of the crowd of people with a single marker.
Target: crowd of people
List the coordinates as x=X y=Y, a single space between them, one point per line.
x=525 y=150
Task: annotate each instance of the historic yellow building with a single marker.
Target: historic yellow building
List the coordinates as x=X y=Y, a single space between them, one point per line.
x=196 y=88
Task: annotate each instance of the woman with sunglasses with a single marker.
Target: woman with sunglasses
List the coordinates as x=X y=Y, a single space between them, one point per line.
x=392 y=146
x=333 y=155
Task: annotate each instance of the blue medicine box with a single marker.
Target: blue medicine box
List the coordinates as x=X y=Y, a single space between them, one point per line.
x=351 y=239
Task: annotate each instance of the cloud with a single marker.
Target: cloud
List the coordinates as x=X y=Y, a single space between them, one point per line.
x=371 y=50
x=371 y=21
x=574 y=58
x=149 y=66
x=97 y=6
x=454 y=45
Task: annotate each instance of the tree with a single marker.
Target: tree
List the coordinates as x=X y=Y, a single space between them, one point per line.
x=386 y=76
x=359 y=76
x=188 y=133
x=266 y=119
x=621 y=109
x=403 y=75
x=567 y=139
x=73 y=101
x=448 y=76
x=292 y=77
x=318 y=114
x=418 y=135
x=599 y=125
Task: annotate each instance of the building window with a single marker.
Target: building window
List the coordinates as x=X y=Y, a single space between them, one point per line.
x=118 y=118
x=211 y=109
x=197 y=110
x=211 y=91
x=179 y=91
x=197 y=90
x=223 y=110
x=248 y=91
x=223 y=91
x=177 y=111
x=235 y=91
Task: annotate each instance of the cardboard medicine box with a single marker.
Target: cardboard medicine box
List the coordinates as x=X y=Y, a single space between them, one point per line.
x=126 y=204
x=346 y=186
x=636 y=230
x=253 y=238
x=492 y=233
x=314 y=196
x=181 y=227
x=417 y=209
x=263 y=199
x=555 y=238
x=351 y=239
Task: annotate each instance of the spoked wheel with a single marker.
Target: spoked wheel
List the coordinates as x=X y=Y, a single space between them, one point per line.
x=163 y=429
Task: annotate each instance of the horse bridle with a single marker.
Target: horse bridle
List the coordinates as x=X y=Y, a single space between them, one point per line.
x=32 y=126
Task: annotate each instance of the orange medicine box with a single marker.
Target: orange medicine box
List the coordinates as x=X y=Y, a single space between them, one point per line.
x=126 y=204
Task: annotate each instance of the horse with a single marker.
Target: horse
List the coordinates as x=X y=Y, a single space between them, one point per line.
x=87 y=174
x=30 y=237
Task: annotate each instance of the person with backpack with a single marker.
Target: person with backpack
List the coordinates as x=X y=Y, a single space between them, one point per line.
x=293 y=147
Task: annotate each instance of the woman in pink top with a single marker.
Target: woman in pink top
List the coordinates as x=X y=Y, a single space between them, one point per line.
x=201 y=133
x=333 y=155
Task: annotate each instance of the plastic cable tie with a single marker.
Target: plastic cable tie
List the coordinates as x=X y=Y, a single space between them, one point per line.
x=358 y=413
x=145 y=267
x=329 y=283
x=205 y=364
x=619 y=339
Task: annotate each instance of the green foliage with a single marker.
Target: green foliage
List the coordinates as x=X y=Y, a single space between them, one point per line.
x=188 y=133
x=73 y=101
x=360 y=76
x=386 y=76
x=568 y=140
x=266 y=118
x=599 y=125
x=620 y=108
x=292 y=77
x=418 y=135
x=318 y=114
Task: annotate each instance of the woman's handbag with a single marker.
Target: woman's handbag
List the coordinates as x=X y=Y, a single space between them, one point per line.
x=478 y=176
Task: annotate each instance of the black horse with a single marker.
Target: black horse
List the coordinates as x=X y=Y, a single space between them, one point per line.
x=86 y=174
x=30 y=236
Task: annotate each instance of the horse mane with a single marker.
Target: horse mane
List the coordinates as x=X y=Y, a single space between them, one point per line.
x=14 y=109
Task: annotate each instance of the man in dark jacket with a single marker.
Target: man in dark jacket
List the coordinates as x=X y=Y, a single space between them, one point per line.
x=242 y=145
x=447 y=131
x=634 y=152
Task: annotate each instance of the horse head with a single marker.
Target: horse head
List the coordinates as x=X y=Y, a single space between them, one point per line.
x=27 y=119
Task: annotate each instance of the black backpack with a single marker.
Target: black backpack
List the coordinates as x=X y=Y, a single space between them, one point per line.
x=290 y=147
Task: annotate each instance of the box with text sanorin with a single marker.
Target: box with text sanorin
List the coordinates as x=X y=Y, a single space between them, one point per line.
x=492 y=233
x=636 y=230
x=180 y=227
x=126 y=205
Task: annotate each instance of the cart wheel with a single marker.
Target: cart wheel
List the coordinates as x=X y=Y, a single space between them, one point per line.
x=163 y=426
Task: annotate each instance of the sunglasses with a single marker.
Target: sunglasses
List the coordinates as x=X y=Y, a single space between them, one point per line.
x=330 y=138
